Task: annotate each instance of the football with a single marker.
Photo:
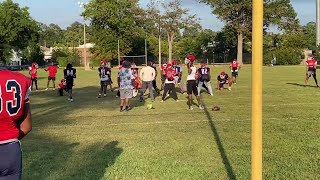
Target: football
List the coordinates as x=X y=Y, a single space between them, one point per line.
x=149 y=106
x=216 y=108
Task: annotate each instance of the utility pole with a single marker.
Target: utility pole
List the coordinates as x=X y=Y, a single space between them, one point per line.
x=318 y=22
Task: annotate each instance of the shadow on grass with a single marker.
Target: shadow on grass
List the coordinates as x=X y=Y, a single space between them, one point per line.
x=53 y=159
x=217 y=138
x=301 y=85
x=51 y=154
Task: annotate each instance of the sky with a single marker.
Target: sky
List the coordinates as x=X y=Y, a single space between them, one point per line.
x=65 y=12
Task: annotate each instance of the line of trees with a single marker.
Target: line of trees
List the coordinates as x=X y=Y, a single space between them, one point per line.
x=180 y=32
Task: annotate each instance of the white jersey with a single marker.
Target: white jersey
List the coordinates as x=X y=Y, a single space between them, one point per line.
x=192 y=75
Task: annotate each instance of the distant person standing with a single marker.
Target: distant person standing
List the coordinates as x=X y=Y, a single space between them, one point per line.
x=234 y=67
x=52 y=69
x=104 y=78
x=147 y=75
x=192 y=82
x=126 y=84
x=15 y=122
x=311 y=64
x=34 y=75
x=69 y=75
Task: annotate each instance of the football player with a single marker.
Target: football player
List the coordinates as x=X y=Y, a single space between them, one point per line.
x=69 y=75
x=169 y=86
x=223 y=79
x=204 y=78
x=311 y=69
x=234 y=67
x=15 y=121
x=192 y=81
x=178 y=76
x=52 y=69
x=33 y=71
x=103 y=75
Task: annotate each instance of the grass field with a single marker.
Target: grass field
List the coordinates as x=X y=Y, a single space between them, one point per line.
x=91 y=139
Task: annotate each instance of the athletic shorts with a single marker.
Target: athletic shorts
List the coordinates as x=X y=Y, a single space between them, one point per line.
x=34 y=78
x=311 y=73
x=205 y=78
x=103 y=83
x=192 y=87
x=51 y=78
x=125 y=93
x=234 y=74
x=10 y=161
x=69 y=84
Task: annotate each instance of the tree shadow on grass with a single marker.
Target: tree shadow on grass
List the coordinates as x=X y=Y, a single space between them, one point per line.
x=301 y=85
x=217 y=138
x=52 y=159
x=51 y=155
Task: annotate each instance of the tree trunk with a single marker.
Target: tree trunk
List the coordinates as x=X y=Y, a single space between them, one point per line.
x=170 y=51
x=170 y=42
x=240 y=48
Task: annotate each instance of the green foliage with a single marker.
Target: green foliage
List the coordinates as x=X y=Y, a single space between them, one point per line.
x=51 y=35
x=112 y=21
x=64 y=55
x=63 y=61
x=33 y=54
x=17 y=29
x=284 y=56
x=238 y=15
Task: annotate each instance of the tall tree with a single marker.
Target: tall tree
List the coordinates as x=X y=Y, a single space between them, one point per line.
x=175 y=19
x=51 y=35
x=238 y=15
x=111 y=21
x=17 y=29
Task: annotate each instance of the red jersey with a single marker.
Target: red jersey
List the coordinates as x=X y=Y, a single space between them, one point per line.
x=311 y=63
x=234 y=64
x=52 y=70
x=14 y=94
x=34 y=72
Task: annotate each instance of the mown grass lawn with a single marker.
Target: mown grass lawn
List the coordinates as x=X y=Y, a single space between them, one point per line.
x=91 y=139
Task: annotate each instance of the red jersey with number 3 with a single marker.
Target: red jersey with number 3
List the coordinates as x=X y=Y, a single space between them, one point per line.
x=14 y=93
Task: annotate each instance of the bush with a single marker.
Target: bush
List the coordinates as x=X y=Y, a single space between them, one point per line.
x=289 y=56
x=284 y=56
x=63 y=61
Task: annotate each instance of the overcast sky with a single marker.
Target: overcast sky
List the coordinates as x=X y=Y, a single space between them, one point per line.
x=65 y=12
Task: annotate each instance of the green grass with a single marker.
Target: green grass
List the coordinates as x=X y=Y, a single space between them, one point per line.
x=91 y=139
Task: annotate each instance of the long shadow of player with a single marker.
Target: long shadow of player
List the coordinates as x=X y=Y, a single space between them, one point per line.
x=301 y=85
x=222 y=151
